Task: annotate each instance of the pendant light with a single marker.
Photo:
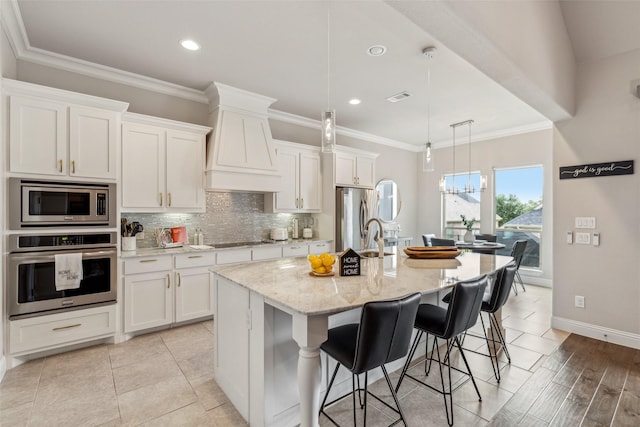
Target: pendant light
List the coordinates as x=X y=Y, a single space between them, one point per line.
x=469 y=187
x=427 y=154
x=328 y=117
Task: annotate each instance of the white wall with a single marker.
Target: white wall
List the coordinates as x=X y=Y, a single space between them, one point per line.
x=527 y=149
x=5 y=58
x=606 y=128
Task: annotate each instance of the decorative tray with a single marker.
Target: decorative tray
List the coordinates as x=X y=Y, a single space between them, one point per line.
x=432 y=252
x=313 y=273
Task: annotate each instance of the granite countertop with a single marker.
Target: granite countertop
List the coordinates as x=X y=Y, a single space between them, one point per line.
x=287 y=283
x=142 y=252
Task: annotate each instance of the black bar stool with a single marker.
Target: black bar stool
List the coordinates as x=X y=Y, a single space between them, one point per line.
x=448 y=324
x=382 y=336
x=517 y=252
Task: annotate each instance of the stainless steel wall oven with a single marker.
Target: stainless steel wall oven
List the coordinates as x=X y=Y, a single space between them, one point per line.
x=31 y=286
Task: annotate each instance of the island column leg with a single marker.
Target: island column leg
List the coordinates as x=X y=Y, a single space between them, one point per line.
x=309 y=333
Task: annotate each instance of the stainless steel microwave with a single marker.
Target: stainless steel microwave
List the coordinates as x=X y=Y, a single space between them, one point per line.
x=36 y=203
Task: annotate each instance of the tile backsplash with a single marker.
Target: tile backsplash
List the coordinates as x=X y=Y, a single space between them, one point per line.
x=229 y=217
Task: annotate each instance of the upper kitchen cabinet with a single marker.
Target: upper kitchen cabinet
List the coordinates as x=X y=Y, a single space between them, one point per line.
x=354 y=168
x=162 y=165
x=59 y=133
x=301 y=179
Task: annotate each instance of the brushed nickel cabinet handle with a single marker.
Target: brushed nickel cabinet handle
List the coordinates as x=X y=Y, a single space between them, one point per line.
x=195 y=256
x=148 y=260
x=301 y=203
x=61 y=328
x=179 y=280
x=73 y=166
x=169 y=199
x=60 y=165
x=160 y=199
x=168 y=281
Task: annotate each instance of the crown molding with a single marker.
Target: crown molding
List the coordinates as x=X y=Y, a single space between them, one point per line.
x=533 y=127
x=22 y=49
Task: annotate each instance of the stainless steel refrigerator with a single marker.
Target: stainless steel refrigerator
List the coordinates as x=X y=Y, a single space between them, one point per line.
x=354 y=207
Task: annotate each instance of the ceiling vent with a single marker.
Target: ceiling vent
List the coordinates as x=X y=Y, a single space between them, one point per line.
x=399 y=97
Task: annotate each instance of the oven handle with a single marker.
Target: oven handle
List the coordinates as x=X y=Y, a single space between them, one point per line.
x=22 y=257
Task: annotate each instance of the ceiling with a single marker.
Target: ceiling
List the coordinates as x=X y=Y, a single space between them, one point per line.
x=280 y=49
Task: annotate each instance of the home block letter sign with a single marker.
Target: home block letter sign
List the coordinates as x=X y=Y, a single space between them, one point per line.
x=349 y=263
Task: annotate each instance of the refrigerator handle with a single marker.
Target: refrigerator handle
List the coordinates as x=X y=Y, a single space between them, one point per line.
x=363 y=218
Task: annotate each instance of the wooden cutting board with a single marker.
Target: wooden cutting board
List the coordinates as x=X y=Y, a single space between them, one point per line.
x=432 y=252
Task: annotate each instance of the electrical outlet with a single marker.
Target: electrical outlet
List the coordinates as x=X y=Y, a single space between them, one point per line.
x=140 y=235
x=569 y=237
x=583 y=238
x=596 y=239
x=579 y=301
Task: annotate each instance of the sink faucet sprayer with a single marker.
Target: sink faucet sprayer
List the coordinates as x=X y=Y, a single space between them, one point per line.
x=380 y=239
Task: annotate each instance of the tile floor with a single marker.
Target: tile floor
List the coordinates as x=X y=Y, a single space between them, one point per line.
x=166 y=379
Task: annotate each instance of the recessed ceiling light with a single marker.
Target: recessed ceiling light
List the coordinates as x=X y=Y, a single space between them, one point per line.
x=189 y=44
x=354 y=101
x=376 y=50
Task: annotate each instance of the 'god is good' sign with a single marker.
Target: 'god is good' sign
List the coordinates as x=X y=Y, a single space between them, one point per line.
x=624 y=167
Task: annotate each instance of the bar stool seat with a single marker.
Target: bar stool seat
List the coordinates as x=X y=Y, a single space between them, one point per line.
x=381 y=337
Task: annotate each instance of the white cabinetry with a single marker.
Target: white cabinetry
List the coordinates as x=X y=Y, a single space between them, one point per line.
x=355 y=168
x=156 y=295
x=301 y=179
x=62 y=134
x=162 y=165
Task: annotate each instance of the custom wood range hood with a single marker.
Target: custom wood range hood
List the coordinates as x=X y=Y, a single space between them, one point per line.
x=240 y=152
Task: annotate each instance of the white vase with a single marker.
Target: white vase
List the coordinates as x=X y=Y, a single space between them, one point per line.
x=468 y=237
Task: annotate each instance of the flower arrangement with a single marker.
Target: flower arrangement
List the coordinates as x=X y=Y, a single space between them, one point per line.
x=468 y=223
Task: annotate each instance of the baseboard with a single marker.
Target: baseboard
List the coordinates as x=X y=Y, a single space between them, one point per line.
x=626 y=339
x=535 y=280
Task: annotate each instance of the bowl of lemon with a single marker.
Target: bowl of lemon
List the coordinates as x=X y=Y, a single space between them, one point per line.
x=322 y=265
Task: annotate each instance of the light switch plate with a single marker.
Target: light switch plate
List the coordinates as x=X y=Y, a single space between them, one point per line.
x=585 y=222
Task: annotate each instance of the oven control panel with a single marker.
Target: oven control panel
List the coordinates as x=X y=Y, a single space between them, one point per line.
x=34 y=242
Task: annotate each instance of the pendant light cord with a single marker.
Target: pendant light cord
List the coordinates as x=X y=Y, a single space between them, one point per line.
x=328 y=56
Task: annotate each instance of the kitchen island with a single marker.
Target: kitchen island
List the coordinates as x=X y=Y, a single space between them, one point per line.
x=270 y=316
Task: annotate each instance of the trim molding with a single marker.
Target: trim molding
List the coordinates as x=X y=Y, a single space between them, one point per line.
x=614 y=336
x=3 y=367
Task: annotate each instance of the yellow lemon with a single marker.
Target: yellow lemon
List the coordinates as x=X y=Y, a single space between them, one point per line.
x=328 y=260
x=320 y=270
x=316 y=262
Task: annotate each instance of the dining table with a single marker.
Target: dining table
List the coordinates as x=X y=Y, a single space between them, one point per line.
x=271 y=318
x=481 y=246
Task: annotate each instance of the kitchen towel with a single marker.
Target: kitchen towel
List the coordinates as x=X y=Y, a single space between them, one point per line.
x=68 y=271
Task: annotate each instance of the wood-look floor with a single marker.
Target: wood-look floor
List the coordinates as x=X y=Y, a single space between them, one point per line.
x=585 y=382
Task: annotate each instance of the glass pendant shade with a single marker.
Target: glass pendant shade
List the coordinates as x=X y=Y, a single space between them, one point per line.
x=427 y=158
x=328 y=121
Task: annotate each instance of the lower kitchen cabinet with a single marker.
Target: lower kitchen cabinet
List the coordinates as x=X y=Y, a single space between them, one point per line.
x=162 y=290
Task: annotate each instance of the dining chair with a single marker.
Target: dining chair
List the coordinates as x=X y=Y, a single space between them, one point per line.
x=447 y=324
x=381 y=337
x=426 y=239
x=436 y=241
x=487 y=237
x=517 y=253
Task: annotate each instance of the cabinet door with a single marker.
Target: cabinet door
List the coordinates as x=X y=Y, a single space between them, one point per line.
x=148 y=301
x=310 y=182
x=92 y=143
x=38 y=136
x=366 y=171
x=194 y=293
x=345 y=169
x=185 y=170
x=143 y=171
x=287 y=198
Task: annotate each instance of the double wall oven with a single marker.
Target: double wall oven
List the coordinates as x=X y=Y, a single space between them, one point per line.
x=48 y=210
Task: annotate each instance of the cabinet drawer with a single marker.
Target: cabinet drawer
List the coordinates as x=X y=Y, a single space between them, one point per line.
x=55 y=330
x=295 y=250
x=318 y=248
x=199 y=259
x=232 y=256
x=146 y=264
x=259 y=254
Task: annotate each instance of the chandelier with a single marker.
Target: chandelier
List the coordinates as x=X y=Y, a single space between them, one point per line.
x=469 y=186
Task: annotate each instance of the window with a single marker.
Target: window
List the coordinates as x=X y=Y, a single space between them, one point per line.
x=454 y=205
x=518 y=207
